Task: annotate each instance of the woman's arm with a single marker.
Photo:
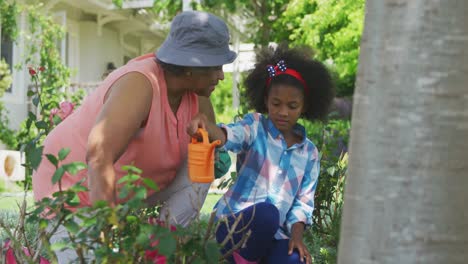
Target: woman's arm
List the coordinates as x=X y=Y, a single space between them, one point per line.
x=205 y=107
x=126 y=107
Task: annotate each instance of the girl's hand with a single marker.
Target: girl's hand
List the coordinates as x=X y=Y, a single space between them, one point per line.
x=296 y=243
x=198 y=121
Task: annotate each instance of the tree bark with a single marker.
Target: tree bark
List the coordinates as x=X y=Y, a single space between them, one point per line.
x=406 y=198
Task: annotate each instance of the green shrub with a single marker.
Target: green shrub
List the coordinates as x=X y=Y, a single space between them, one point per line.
x=221 y=99
x=332 y=140
x=125 y=233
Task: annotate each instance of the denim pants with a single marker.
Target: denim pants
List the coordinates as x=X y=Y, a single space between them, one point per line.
x=262 y=219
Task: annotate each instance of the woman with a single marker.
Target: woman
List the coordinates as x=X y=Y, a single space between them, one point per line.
x=138 y=116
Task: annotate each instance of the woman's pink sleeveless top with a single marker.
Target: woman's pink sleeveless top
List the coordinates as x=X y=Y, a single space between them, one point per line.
x=158 y=148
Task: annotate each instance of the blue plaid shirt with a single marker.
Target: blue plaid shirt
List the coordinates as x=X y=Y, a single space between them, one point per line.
x=269 y=171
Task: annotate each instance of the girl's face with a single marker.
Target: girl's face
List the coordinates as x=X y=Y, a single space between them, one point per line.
x=285 y=104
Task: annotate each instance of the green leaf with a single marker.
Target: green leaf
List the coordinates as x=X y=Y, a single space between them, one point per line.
x=73 y=200
x=31 y=116
x=58 y=246
x=118 y=3
x=132 y=169
x=58 y=174
x=100 y=204
x=29 y=123
x=41 y=125
x=35 y=100
x=140 y=193
x=31 y=93
x=72 y=226
x=128 y=178
x=52 y=159
x=89 y=222
x=63 y=153
x=150 y=184
x=56 y=120
x=78 y=188
x=74 y=167
x=131 y=219
x=212 y=250
x=142 y=238
x=43 y=223
x=34 y=156
x=167 y=245
x=124 y=192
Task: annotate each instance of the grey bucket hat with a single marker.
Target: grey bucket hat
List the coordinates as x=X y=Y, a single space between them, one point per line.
x=197 y=39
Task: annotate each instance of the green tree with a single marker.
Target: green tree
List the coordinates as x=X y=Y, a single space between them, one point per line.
x=8 y=13
x=261 y=13
x=332 y=27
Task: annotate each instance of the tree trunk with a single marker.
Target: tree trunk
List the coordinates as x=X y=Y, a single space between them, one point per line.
x=406 y=198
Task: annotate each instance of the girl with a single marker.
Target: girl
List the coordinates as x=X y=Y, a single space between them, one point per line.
x=277 y=165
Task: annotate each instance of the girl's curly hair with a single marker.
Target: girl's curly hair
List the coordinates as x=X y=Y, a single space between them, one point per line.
x=321 y=92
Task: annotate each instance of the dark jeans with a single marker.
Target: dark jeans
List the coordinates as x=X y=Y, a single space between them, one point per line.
x=263 y=221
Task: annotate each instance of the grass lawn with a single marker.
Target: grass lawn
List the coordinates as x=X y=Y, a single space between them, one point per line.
x=210 y=201
x=10 y=203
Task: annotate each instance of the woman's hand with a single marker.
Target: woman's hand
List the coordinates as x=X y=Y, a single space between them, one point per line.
x=201 y=121
x=198 y=121
x=296 y=242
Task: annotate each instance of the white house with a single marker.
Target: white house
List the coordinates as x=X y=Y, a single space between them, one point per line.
x=99 y=34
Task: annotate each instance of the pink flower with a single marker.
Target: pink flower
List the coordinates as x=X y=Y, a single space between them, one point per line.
x=10 y=255
x=153 y=255
x=65 y=109
x=41 y=69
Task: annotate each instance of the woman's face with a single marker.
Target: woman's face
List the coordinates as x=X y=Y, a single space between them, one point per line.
x=285 y=104
x=204 y=79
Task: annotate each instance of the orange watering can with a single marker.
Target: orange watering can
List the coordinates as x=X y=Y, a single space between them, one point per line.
x=201 y=158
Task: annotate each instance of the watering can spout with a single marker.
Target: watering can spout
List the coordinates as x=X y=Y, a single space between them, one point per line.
x=215 y=143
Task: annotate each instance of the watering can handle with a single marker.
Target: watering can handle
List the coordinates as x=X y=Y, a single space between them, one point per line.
x=204 y=134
